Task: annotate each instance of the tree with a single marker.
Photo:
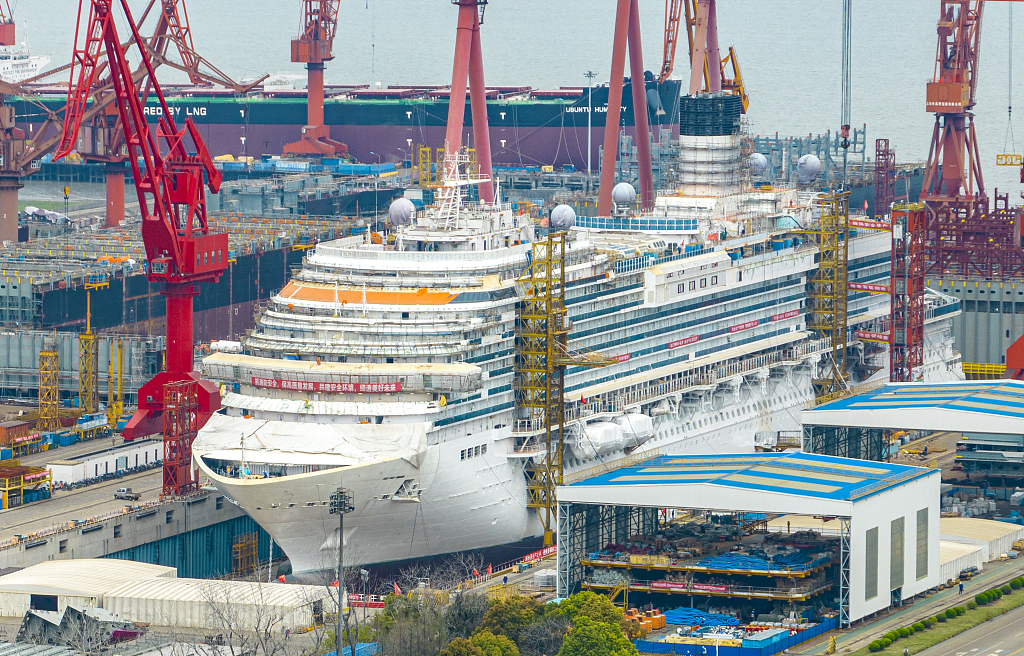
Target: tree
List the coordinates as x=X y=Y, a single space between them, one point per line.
x=464 y=614
x=460 y=647
x=587 y=604
x=494 y=645
x=590 y=638
x=511 y=616
x=544 y=637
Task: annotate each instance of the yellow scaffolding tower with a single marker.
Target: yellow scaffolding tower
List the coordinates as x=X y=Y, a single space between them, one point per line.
x=88 y=370
x=115 y=395
x=828 y=292
x=244 y=553
x=49 y=365
x=543 y=355
x=424 y=171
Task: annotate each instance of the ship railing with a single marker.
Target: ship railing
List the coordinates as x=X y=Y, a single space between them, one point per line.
x=415 y=256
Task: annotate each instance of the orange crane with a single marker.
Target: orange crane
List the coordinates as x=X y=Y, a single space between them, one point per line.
x=313 y=47
x=701 y=20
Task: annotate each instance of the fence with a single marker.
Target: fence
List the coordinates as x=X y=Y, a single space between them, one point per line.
x=828 y=624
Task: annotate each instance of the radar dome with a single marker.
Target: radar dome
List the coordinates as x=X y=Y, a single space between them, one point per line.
x=563 y=217
x=807 y=168
x=757 y=163
x=401 y=212
x=623 y=194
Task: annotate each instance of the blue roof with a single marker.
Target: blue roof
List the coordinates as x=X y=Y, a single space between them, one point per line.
x=800 y=474
x=992 y=397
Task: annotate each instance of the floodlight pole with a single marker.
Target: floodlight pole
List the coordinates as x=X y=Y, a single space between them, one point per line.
x=341 y=503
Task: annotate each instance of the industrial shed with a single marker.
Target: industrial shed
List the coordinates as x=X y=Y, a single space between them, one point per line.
x=955 y=557
x=995 y=538
x=83 y=583
x=881 y=509
x=217 y=604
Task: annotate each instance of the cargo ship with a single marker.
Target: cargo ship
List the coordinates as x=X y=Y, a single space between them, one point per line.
x=391 y=368
x=529 y=127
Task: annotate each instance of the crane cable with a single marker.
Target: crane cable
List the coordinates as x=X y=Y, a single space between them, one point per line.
x=1008 y=138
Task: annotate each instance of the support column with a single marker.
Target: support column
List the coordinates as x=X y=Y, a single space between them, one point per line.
x=478 y=101
x=179 y=298
x=460 y=73
x=714 y=55
x=611 y=125
x=115 y=194
x=9 y=208
x=639 y=88
x=314 y=94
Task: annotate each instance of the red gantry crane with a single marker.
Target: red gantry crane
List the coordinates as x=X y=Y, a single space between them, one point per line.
x=180 y=250
x=313 y=47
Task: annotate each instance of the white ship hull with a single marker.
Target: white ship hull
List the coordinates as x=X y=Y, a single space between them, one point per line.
x=479 y=502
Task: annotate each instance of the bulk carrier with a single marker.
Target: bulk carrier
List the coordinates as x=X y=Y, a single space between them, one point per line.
x=528 y=127
x=390 y=368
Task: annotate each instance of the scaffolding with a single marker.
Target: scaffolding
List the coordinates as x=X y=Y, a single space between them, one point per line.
x=115 y=389
x=244 y=549
x=88 y=369
x=181 y=407
x=49 y=365
x=828 y=292
x=885 y=178
x=424 y=169
x=543 y=354
x=906 y=332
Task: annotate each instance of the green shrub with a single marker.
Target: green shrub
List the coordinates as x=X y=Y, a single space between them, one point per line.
x=892 y=636
x=960 y=610
x=875 y=646
x=1006 y=589
x=981 y=599
x=951 y=613
x=971 y=605
x=941 y=617
x=904 y=632
x=997 y=592
x=1015 y=584
x=911 y=630
x=928 y=622
x=886 y=642
x=917 y=626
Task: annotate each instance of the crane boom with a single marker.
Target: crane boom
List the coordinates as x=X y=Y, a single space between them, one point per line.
x=180 y=250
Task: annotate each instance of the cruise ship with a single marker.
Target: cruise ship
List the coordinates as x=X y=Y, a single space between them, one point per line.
x=387 y=365
x=17 y=63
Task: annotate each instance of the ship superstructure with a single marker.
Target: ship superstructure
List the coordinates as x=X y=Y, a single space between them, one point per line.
x=389 y=368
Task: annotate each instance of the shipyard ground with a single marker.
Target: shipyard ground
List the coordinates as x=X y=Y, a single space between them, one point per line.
x=1003 y=635
x=85 y=502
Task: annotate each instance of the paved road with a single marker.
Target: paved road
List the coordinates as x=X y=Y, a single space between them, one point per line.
x=1002 y=636
x=82 y=503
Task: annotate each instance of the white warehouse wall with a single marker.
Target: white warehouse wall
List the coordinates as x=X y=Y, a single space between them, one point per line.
x=878 y=511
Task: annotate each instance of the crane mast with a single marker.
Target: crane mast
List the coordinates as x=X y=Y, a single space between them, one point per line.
x=180 y=249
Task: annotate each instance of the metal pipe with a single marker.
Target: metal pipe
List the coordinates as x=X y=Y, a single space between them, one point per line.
x=611 y=125
x=478 y=102
x=314 y=94
x=641 y=128
x=713 y=53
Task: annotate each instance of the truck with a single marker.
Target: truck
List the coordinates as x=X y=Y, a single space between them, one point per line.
x=126 y=494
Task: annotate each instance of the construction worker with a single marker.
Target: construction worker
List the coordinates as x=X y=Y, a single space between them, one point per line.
x=961 y=587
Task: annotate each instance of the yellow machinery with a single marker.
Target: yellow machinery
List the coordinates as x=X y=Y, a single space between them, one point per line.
x=115 y=392
x=49 y=364
x=543 y=355
x=424 y=170
x=88 y=370
x=828 y=291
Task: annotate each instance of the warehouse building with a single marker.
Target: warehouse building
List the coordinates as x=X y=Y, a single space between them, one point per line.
x=140 y=592
x=138 y=453
x=993 y=538
x=887 y=531
x=989 y=414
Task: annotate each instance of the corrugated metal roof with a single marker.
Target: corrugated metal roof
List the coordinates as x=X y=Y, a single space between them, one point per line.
x=950 y=551
x=207 y=590
x=85 y=577
x=798 y=474
x=978 y=529
x=1000 y=397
